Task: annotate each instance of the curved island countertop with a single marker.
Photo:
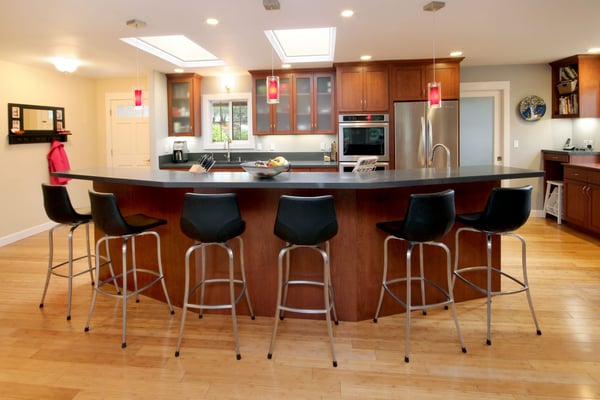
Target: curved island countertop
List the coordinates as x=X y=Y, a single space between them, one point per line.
x=302 y=180
x=361 y=201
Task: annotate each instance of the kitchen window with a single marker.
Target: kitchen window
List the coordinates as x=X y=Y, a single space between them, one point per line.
x=227 y=117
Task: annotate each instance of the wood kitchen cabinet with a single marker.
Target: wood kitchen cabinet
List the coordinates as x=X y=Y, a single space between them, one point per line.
x=582 y=196
x=362 y=88
x=580 y=98
x=409 y=79
x=183 y=97
x=306 y=103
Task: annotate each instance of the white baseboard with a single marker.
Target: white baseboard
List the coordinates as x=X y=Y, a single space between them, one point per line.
x=25 y=233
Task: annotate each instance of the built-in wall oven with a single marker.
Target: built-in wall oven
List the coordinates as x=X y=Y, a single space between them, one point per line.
x=362 y=135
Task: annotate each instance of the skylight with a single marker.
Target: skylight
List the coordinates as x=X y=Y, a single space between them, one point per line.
x=303 y=45
x=176 y=49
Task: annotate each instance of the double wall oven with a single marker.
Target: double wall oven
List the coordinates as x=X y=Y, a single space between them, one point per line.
x=363 y=135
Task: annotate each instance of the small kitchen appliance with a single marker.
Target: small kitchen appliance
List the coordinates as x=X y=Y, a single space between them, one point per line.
x=180 y=151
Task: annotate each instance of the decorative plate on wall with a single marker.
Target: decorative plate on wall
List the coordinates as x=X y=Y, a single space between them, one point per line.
x=532 y=108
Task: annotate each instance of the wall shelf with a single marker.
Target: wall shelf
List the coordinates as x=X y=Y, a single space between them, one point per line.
x=36 y=138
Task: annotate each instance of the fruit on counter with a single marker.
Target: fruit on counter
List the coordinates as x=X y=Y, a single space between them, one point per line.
x=278 y=161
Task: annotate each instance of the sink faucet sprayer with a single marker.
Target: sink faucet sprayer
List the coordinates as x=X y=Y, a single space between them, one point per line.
x=432 y=154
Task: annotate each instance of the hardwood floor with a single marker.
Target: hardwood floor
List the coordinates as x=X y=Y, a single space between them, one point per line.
x=44 y=356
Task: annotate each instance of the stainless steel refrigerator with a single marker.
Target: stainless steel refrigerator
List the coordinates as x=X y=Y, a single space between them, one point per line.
x=419 y=129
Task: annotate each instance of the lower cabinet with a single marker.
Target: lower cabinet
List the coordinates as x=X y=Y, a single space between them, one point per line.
x=582 y=197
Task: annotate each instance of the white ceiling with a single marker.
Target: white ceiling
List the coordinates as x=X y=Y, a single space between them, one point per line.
x=489 y=32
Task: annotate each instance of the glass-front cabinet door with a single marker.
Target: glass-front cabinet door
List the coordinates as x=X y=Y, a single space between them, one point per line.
x=324 y=118
x=314 y=103
x=183 y=92
x=272 y=118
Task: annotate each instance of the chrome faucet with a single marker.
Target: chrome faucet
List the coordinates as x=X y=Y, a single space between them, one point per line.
x=228 y=148
x=432 y=154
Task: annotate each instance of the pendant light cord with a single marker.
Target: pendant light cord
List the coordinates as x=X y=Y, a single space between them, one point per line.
x=434 y=31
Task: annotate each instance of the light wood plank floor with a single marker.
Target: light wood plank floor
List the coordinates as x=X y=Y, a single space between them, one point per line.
x=43 y=356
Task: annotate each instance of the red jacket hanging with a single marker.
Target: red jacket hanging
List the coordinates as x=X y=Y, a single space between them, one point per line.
x=58 y=161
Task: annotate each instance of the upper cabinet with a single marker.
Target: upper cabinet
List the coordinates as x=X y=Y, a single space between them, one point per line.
x=272 y=118
x=362 y=88
x=306 y=103
x=183 y=93
x=409 y=79
x=314 y=103
x=576 y=87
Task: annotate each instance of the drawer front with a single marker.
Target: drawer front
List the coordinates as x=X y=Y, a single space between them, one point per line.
x=556 y=157
x=594 y=177
x=576 y=174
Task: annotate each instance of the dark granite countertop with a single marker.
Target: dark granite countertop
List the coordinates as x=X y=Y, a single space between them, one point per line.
x=301 y=180
x=298 y=159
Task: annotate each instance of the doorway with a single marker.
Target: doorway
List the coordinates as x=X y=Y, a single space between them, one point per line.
x=128 y=136
x=484 y=123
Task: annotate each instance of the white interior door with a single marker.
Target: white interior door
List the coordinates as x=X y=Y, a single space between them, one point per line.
x=486 y=120
x=129 y=137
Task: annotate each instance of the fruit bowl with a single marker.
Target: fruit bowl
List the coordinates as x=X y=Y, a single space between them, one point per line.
x=260 y=169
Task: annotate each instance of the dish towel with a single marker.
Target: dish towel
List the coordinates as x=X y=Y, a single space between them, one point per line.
x=58 y=161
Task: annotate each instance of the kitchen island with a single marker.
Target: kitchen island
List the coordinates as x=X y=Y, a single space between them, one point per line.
x=356 y=252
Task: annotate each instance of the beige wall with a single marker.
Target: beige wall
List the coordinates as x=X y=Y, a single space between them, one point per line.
x=24 y=166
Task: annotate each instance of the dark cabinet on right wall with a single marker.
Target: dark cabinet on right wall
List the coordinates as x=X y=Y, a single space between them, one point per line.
x=576 y=87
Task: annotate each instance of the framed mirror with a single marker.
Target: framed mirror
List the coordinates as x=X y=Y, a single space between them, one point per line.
x=34 y=124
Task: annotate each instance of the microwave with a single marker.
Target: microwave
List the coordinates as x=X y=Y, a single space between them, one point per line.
x=362 y=135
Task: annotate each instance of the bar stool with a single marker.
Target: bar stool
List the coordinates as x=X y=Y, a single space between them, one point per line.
x=213 y=220
x=60 y=210
x=305 y=222
x=553 y=201
x=507 y=209
x=428 y=218
x=108 y=218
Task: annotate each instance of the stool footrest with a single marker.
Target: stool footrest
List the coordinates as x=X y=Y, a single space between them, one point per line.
x=132 y=292
x=428 y=282
x=522 y=286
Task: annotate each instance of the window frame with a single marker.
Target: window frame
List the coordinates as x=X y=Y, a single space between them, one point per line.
x=207 y=120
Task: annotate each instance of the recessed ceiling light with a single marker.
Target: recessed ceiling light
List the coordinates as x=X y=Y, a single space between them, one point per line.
x=212 y=21
x=457 y=53
x=303 y=45
x=176 y=49
x=594 y=50
x=286 y=66
x=366 y=57
x=347 y=13
x=178 y=70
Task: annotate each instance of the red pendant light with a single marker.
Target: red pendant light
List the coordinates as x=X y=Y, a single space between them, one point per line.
x=272 y=89
x=434 y=90
x=137 y=93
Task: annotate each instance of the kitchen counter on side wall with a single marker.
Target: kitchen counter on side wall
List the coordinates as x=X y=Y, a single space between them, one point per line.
x=361 y=201
x=299 y=160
